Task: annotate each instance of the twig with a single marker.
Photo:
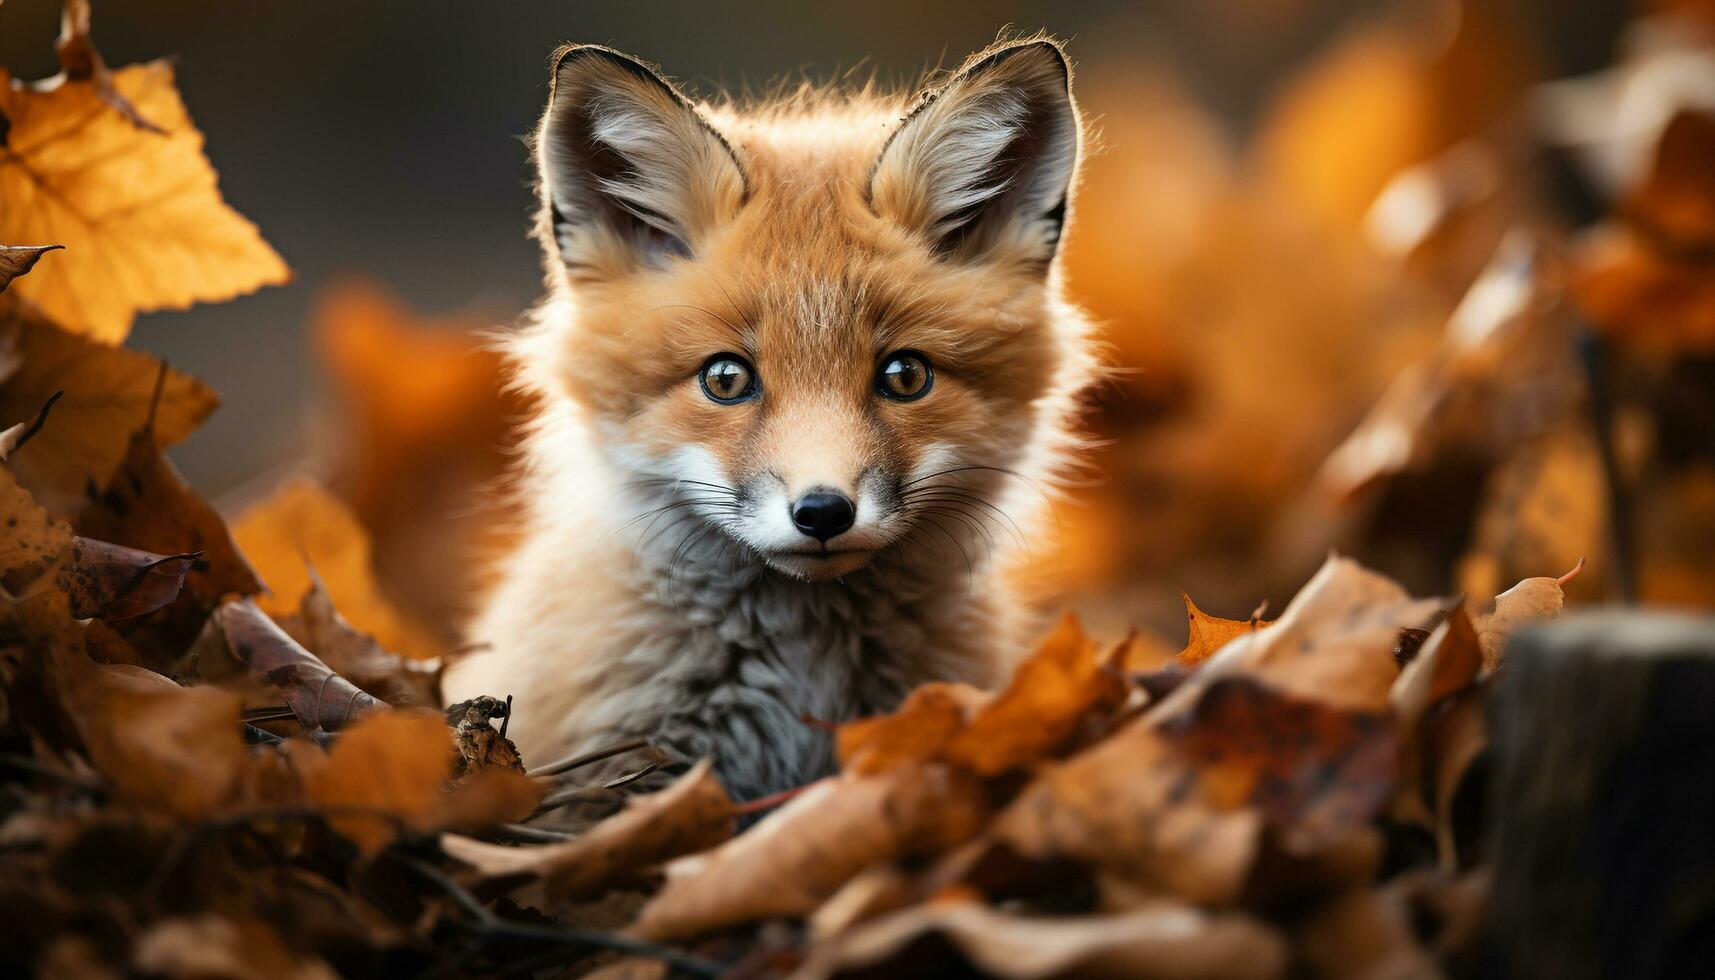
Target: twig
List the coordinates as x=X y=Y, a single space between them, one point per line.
x=517 y=833
x=40 y=420
x=578 y=761
x=768 y=802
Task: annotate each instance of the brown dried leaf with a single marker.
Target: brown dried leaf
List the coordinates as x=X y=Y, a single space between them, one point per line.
x=1531 y=600
x=1334 y=643
x=138 y=210
x=1313 y=772
x=15 y=260
x=793 y=861
x=146 y=504
x=303 y=525
x=691 y=815
x=110 y=393
x=1057 y=689
x=390 y=770
x=157 y=744
x=115 y=583
x=322 y=700
x=356 y=656
x=917 y=730
x=215 y=947
x=1167 y=940
x=33 y=538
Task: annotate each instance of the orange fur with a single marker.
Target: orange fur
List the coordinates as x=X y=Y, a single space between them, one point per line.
x=814 y=237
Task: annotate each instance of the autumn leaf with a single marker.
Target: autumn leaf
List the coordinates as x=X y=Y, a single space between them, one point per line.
x=357 y=657
x=303 y=525
x=109 y=394
x=691 y=815
x=321 y=699
x=146 y=504
x=1059 y=687
x=388 y=771
x=33 y=538
x=802 y=853
x=15 y=260
x=112 y=582
x=1166 y=939
x=138 y=211
x=424 y=422
x=1210 y=633
x=158 y=744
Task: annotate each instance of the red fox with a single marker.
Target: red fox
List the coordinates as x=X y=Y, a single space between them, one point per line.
x=804 y=368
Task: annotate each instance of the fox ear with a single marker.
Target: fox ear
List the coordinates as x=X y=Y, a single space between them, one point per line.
x=981 y=167
x=631 y=175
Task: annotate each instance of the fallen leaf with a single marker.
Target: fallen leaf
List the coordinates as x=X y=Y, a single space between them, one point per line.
x=138 y=211
x=1166 y=941
x=1056 y=689
x=800 y=855
x=1530 y=600
x=302 y=525
x=210 y=946
x=691 y=815
x=321 y=699
x=390 y=771
x=1334 y=643
x=15 y=260
x=1210 y=633
x=157 y=744
x=146 y=504
x=1313 y=772
x=1676 y=201
x=1124 y=805
x=110 y=393
x=918 y=729
x=425 y=423
x=114 y=583
x=356 y=656
x=33 y=538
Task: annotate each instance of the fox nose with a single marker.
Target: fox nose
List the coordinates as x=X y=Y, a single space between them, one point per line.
x=822 y=514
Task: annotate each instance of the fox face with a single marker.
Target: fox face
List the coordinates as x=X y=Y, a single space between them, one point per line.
x=823 y=328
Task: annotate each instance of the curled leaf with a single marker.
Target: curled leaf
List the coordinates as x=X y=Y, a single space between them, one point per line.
x=115 y=583
x=321 y=699
x=691 y=815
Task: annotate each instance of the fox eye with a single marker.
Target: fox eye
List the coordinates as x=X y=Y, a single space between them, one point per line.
x=728 y=379
x=905 y=376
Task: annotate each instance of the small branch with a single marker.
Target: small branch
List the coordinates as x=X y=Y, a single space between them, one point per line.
x=579 y=761
x=517 y=833
x=40 y=420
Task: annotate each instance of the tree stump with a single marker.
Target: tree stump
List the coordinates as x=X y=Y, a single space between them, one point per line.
x=1602 y=799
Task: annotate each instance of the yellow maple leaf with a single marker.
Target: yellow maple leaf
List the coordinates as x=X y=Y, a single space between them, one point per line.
x=139 y=212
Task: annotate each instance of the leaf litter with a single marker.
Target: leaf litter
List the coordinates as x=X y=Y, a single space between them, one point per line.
x=225 y=749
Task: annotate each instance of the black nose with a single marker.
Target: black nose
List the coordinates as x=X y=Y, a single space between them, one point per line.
x=822 y=514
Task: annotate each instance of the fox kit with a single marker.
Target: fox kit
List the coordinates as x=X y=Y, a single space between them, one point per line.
x=803 y=369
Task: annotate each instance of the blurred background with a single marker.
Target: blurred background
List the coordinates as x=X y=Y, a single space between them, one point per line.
x=1288 y=208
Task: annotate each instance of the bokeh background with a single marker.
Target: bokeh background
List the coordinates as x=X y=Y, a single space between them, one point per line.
x=1228 y=240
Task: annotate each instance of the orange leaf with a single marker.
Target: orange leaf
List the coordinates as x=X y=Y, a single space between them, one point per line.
x=139 y=212
x=1210 y=633
x=303 y=522
x=110 y=393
